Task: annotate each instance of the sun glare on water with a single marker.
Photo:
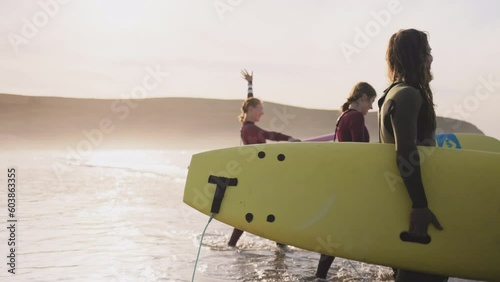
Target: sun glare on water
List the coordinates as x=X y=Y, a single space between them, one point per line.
x=171 y=164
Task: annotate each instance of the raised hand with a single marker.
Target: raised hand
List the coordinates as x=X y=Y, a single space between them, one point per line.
x=246 y=76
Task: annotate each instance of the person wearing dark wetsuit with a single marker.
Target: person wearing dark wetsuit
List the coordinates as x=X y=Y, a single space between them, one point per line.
x=407 y=119
x=251 y=112
x=350 y=128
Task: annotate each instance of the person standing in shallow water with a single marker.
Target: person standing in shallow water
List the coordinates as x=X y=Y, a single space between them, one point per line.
x=407 y=119
x=350 y=128
x=251 y=112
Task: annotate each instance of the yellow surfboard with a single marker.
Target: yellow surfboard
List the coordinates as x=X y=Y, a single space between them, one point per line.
x=348 y=200
x=468 y=141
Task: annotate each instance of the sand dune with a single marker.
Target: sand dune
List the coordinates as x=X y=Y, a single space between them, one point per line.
x=158 y=123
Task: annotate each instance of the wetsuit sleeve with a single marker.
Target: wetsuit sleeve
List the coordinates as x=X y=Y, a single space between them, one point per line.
x=250 y=90
x=357 y=127
x=404 y=115
x=268 y=135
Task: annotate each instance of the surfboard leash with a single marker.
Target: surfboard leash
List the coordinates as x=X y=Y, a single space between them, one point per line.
x=353 y=267
x=199 y=247
x=222 y=183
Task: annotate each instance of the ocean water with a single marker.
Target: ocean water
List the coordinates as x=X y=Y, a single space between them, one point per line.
x=119 y=216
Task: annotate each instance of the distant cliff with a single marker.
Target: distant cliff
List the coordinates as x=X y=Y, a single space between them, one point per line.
x=157 y=123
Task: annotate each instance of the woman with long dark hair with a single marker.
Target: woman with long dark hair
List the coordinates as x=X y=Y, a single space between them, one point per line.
x=407 y=119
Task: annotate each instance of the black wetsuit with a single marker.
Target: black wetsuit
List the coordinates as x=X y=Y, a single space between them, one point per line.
x=404 y=121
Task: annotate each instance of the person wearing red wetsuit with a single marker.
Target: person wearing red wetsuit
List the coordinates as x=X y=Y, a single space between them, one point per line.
x=351 y=124
x=350 y=128
x=251 y=112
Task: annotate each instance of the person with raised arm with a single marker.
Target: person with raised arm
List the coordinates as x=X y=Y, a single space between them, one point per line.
x=251 y=112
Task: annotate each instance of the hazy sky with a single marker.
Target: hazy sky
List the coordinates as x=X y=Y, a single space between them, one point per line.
x=304 y=53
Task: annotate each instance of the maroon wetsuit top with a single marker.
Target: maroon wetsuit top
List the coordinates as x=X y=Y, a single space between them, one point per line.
x=351 y=127
x=252 y=134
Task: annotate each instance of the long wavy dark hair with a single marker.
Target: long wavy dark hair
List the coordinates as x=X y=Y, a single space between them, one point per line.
x=407 y=61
